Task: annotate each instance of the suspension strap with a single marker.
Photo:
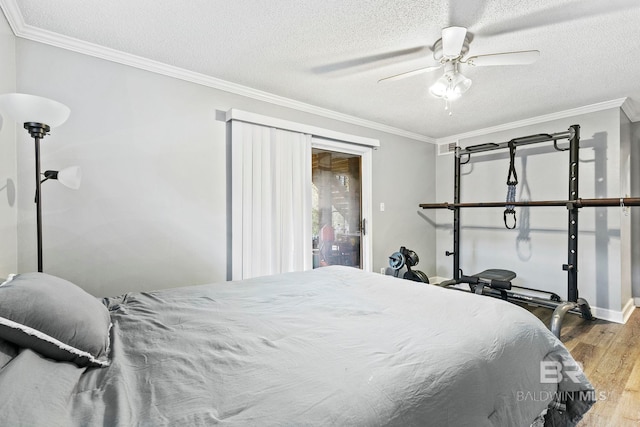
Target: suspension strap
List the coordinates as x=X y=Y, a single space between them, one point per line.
x=512 y=181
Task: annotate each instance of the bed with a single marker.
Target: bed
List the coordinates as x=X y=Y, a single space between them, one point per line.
x=333 y=346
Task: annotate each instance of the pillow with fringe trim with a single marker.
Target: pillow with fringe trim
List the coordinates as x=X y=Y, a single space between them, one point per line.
x=55 y=318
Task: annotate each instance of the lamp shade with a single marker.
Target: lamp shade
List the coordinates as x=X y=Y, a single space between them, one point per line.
x=24 y=108
x=70 y=177
x=460 y=84
x=439 y=88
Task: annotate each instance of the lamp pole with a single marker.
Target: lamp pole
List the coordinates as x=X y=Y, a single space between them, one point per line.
x=33 y=112
x=38 y=131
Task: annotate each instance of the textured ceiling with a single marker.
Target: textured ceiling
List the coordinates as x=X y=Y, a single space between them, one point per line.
x=331 y=53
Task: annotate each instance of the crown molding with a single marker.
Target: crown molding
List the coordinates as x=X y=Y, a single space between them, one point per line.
x=630 y=110
x=615 y=103
x=13 y=14
x=22 y=30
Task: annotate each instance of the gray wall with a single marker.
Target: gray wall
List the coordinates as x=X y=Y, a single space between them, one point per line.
x=403 y=178
x=626 y=216
x=151 y=210
x=635 y=211
x=8 y=184
x=536 y=249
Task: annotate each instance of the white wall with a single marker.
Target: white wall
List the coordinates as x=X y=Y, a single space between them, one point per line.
x=8 y=185
x=151 y=210
x=537 y=253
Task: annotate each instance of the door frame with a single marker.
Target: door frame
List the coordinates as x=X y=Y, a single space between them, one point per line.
x=366 y=154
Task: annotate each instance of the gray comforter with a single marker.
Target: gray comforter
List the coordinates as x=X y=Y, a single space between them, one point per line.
x=331 y=347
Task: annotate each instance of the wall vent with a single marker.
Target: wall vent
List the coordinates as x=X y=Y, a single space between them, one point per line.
x=448 y=148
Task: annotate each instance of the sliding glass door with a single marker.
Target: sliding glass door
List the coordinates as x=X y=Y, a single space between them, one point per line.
x=338 y=223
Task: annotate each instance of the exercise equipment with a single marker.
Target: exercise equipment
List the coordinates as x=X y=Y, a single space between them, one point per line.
x=494 y=278
x=493 y=283
x=512 y=182
x=406 y=258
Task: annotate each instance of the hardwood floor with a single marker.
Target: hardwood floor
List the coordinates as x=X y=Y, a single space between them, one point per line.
x=610 y=355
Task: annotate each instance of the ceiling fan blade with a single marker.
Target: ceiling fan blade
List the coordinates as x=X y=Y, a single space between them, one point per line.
x=367 y=60
x=507 y=58
x=409 y=73
x=452 y=41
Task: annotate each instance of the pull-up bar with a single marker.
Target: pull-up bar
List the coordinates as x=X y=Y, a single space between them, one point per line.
x=525 y=140
x=578 y=203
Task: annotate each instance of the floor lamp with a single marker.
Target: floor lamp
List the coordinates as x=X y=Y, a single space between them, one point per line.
x=38 y=116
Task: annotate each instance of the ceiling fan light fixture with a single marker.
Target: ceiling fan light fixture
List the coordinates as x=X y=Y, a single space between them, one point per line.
x=452 y=95
x=450 y=86
x=439 y=88
x=460 y=84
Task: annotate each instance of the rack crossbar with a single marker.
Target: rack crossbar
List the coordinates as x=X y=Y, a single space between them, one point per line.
x=578 y=203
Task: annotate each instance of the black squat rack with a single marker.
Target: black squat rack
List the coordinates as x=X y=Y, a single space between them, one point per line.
x=497 y=283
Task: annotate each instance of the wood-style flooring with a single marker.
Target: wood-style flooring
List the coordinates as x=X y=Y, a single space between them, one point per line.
x=610 y=355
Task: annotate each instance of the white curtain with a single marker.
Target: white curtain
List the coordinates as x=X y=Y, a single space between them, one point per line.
x=270 y=201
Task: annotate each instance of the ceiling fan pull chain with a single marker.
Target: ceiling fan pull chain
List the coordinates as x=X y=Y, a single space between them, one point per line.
x=447 y=106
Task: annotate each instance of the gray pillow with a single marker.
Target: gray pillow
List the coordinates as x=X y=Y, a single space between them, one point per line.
x=55 y=318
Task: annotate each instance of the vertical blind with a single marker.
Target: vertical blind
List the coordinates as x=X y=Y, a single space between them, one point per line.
x=270 y=200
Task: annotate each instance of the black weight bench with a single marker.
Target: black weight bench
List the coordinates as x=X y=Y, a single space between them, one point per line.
x=494 y=278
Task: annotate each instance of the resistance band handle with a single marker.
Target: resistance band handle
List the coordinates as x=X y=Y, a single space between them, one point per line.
x=506 y=222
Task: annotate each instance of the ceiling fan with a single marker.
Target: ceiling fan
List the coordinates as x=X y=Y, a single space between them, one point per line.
x=449 y=51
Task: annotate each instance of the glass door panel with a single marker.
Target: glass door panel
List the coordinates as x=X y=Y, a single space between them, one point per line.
x=337 y=208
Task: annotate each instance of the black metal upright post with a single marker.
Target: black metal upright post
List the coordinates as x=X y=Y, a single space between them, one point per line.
x=573 y=301
x=573 y=209
x=456 y=216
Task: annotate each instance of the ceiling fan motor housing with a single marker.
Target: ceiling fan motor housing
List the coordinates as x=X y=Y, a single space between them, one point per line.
x=438 y=53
